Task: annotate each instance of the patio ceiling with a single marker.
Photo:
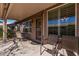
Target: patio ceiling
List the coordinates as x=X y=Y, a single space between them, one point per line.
x=19 y=11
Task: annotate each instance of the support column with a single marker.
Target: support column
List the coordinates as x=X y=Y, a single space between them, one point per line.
x=5 y=30
x=45 y=25
x=4 y=13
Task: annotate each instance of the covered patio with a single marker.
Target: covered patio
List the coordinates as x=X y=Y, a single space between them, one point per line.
x=40 y=29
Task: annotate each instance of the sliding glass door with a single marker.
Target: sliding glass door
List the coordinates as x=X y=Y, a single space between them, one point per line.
x=61 y=23
x=67 y=20
x=67 y=26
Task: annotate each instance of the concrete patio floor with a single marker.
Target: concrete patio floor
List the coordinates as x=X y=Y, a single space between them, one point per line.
x=29 y=48
x=26 y=48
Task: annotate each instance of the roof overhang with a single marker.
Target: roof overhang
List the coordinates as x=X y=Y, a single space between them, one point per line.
x=20 y=11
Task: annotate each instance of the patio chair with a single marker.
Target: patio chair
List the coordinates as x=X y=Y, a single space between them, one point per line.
x=45 y=43
x=70 y=43
x=18 y=35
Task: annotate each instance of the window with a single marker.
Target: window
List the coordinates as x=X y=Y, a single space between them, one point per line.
x=53 y=22
x=65 y=17
x=67 y=20
x=27 y=27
